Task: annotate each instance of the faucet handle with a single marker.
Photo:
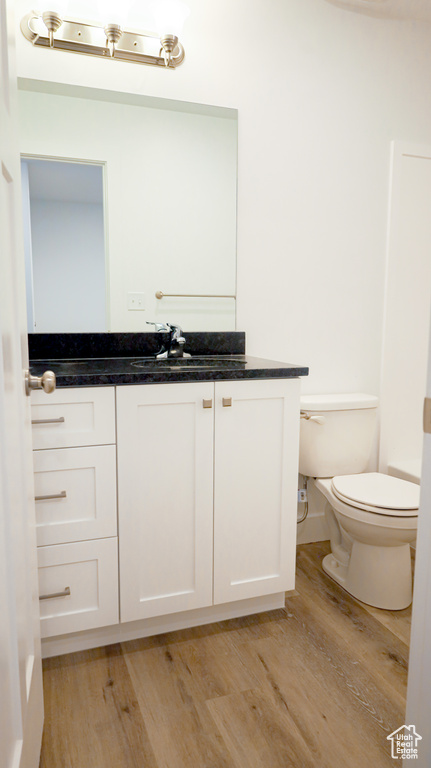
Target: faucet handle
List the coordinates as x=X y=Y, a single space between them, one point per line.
x=160 y=327
x=177 y=333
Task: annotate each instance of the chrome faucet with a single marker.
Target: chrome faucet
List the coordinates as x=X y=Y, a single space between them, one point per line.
x=173 y=346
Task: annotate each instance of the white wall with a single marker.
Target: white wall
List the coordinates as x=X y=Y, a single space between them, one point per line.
x=320 y=92
x=170 y=188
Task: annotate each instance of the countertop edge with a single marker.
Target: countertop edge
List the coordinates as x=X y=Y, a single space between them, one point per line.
x=118 y=379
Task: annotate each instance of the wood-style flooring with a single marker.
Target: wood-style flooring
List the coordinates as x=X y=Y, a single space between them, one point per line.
x=317 y=685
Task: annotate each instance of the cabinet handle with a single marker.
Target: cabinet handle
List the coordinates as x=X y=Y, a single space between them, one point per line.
x=66 y=593
x=60 y=420
x=227 y=402
x=61 y=495
x=207 y=403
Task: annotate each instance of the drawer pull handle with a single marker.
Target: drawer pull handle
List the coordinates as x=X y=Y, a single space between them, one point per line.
x=227 y=402
x=207 y=403
x=61 y=495
x=60 y=420
x=66 y=593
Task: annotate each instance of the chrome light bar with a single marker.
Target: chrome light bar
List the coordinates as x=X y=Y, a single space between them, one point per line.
x=92 y=40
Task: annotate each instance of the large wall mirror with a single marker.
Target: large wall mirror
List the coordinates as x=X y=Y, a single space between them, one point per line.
x=126 y=198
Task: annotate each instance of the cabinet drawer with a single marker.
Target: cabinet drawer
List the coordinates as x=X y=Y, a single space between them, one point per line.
x=88 y=572
x=73 y=417
x=76 y=492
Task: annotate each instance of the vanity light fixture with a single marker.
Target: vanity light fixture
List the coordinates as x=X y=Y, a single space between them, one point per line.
x=49 y=27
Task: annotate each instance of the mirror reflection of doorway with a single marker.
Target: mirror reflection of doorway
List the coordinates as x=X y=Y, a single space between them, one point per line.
x=64 y=242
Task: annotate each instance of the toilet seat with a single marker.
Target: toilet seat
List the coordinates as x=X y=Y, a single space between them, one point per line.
x=378 y=493
x=353 y=511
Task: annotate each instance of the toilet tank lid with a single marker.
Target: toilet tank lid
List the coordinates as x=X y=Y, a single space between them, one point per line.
x=345 y=402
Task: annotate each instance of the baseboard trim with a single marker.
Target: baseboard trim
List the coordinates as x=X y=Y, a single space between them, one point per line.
x=82 y=641
x=313 y=528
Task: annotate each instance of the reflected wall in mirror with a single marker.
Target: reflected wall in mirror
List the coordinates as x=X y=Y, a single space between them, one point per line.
x=168 y=201
x=64 y=243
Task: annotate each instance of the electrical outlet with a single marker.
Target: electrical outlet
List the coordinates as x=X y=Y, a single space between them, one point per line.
x=135 y=301
x=302 y=496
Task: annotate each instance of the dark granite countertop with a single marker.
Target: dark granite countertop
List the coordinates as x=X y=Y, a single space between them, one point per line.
x=89 y=360
x=132 y=370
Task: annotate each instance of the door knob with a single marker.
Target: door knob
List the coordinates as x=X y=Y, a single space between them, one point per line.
x=45 y=382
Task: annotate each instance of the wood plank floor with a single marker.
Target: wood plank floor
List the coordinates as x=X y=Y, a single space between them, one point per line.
x=319 y=684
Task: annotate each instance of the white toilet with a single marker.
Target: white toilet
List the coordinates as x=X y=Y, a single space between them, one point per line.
x=372 y=518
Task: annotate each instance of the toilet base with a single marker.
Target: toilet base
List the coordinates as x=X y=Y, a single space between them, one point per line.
x=377 y=576
x=335 y=570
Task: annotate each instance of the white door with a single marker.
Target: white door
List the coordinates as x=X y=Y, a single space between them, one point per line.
x=21 y=705
x=406 y=310
x=255 y=488
x=165 y=436
x=419 y=680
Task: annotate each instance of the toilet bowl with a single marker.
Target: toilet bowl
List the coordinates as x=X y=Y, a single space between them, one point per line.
x=371 y=517
x=370 y=544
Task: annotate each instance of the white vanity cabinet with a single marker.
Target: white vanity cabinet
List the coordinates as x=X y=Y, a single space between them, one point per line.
x=207 y=479
x=74 y=440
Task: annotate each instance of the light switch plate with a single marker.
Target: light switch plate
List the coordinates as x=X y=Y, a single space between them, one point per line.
x=135 y=301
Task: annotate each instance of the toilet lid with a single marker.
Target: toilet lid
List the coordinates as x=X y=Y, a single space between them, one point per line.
x=382 y=494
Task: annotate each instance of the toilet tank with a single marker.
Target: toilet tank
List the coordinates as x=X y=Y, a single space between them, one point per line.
x=337 y=439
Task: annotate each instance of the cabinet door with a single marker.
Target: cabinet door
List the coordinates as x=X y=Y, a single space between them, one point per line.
x=165 y=496
x=256 y=471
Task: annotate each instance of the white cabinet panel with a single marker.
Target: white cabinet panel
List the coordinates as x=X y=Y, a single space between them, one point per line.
x=256 y=465
x=73 y=417
x=165 y=479
x=82 y=484
x=89 y=571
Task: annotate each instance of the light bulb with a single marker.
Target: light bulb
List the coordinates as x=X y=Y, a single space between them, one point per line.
x=114 y=12
x=55 y=6
x=169 y=16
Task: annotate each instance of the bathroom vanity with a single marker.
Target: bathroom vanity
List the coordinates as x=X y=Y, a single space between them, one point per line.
x=165 y=490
